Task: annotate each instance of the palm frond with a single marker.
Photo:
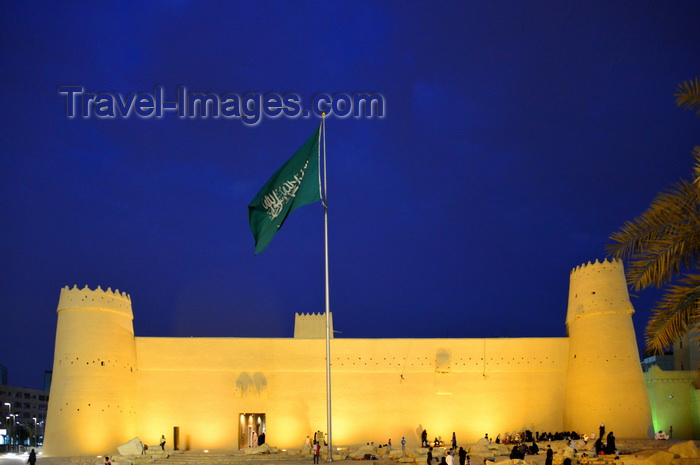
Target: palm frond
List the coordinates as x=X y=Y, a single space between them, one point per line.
x=677 y=312
x=696 y=166
x=688 y=95
x=663 y=240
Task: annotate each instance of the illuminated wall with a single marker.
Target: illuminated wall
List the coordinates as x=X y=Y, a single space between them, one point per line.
x=673 y=400
x=382 y=388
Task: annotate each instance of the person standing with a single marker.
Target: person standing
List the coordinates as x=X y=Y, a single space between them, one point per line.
x=388 y=445
x=550 y=456
x=430 y=456
x=610 y=449
x=462 y=456
x=403 y=444
x=32 y=458
x=449 y=459
x=601 y=429
x=454 y=440
x=317 y=451
x=162 y=442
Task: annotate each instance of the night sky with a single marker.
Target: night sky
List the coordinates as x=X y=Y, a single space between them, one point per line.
x=517 y=137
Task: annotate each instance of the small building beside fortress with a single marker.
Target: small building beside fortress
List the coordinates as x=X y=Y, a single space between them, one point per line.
x=216 y=393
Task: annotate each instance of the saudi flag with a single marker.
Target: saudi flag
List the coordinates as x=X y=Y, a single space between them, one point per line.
x=295 y=184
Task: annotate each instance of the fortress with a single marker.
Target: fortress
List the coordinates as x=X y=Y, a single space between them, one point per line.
x=216 y=393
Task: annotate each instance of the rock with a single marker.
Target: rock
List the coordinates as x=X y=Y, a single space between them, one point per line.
x=132 y=447
x=482 y=454
x=586 y=445
x=568 y=452
x=499 y=449
x=482 y=441
x=356 y=454
x=686 y=450
x=339 y=456
x=264 y=449
x=483 y=445
x=512 y=462
x=396 y=454
x=659 y=458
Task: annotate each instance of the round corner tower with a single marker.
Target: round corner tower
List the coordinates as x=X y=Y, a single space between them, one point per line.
x=93 y=391
x=604 y=381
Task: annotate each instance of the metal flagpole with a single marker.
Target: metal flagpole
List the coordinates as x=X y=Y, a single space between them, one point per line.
x=328 y=302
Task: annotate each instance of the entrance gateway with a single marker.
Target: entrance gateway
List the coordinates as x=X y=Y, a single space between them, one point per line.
x=250 y=427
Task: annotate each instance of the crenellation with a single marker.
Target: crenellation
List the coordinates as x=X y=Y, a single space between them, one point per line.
x=97 y=299
x=311 y=325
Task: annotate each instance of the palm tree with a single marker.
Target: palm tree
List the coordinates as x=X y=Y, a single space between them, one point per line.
x=688 y=95
x=662 y=247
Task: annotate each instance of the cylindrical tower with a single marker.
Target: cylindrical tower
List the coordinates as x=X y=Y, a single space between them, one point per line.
x=604 y=381
x=93 y=390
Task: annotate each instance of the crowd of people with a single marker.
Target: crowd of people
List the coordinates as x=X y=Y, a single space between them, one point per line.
x=523 y=442
x=528 y=436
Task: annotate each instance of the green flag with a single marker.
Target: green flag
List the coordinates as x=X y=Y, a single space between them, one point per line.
x=295 y=184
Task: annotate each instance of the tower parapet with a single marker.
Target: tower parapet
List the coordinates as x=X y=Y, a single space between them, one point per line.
x=598 y=288
x=105 y=300
x=604 y=376
x=311 y=325
x=94 y=374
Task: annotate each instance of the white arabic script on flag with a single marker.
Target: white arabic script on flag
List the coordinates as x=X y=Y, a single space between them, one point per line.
x=275 y=201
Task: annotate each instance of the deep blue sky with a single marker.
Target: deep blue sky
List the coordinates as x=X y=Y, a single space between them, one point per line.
x=517 y=137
